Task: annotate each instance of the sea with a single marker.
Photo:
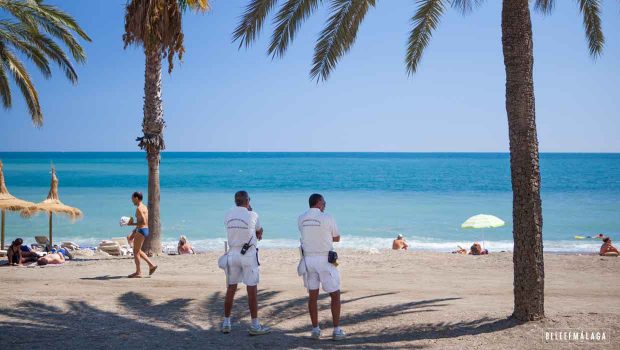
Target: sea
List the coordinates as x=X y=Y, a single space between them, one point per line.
x=373 y=196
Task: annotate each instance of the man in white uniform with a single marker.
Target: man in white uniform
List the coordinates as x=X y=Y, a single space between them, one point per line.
x=243 y=227
x=318 y=232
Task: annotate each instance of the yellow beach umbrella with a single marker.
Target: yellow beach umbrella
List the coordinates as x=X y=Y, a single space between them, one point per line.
x=8 y=202
x=53 y=205
x=482 y=221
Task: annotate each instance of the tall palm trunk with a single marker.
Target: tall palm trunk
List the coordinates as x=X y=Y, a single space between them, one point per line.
x=528 y=262
x=152 y=127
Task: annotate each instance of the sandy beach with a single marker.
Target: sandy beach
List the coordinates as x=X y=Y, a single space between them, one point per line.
x=394 y=299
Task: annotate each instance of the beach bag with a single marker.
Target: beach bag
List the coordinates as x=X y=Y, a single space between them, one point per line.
x=222 y=262
x=301 y=268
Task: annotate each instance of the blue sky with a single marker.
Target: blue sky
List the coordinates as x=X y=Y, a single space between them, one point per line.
x=224 y=99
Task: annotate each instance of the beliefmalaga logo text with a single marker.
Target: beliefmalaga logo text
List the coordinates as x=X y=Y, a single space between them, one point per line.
x=576 y=336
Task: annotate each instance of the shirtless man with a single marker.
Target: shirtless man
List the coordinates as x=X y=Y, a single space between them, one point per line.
x=399 y=243
x=139 y=234
x=51 y=259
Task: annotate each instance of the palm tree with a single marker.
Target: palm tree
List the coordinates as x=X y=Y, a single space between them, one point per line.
x=30 y=28
x=156 y=25
x=340 y=33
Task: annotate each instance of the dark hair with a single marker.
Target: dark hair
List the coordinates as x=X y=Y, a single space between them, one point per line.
x=241 y=197
x=18 y=241
x=314 y=199
x=41 y=261
x=606 y=239
x=137 y=195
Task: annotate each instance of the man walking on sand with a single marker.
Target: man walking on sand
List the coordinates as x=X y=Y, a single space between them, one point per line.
x=318 y=232
x=139 y=234
x=244 y=231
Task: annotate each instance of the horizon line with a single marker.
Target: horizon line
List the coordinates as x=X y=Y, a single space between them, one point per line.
x=330 y=152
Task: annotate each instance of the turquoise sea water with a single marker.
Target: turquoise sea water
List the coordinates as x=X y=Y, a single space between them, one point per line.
x=373 y=196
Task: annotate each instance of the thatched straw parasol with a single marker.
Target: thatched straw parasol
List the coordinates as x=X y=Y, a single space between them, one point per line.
x=8 y=202
x=52 y=205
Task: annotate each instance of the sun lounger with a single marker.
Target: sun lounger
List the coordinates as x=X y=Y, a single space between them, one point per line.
x=170 y=249
x=110 y=247
x=70 y=245
x=116 y=246
x=125 y=247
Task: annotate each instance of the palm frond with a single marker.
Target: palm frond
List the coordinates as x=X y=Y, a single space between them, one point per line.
x=252 y=21
x=18 y=36
x=32 y=30
x=465 y=6
x=54 y=14
x=55 y=52
x=544 y=6
x=424 y=22
x=23 y=81
x=591 y=11
x=5 y=89
x=196 y=5
x=57 y=23
x=339 y=35
x=287 y=21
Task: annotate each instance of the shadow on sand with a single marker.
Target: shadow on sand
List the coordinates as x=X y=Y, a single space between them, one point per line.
x=188 y=323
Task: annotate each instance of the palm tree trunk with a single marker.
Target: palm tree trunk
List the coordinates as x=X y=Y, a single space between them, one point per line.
x=528 y=262
x=152 y=126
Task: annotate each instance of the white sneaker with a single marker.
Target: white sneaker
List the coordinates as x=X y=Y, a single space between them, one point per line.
x=315 y=334
x=339 y=335
x=260 y=330
x=226 y=328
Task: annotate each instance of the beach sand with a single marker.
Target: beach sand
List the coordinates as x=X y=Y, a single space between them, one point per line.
x=394 y=299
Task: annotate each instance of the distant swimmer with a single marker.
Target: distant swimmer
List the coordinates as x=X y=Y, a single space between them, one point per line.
x=399 y=243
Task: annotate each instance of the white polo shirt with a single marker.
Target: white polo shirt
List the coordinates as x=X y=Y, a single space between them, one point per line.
x=317 y=230
x=241 y=225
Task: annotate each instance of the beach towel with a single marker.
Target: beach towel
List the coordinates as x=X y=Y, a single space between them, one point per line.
x=34 y=264
x=125 y=220
x=222 y=262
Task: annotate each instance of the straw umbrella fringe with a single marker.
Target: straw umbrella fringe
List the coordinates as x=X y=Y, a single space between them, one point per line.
x=52 y=205
x=8 y=202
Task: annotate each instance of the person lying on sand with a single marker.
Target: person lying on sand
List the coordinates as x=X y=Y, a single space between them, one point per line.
x=184 y=247
x=399 y=243
x=607 y=249
x=17 y=255
x=476 y=249
x=51 y=259
x=461 y=250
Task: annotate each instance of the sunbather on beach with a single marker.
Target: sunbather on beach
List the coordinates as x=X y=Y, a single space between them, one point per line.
x=138 y=236
x=18 y=254
x=399 y=243
x=607 y=249
x=184 y=247
x=51 y=259
x=476 y=249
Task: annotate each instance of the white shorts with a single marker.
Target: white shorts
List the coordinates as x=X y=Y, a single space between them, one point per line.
x=321 y=272
x=243 y=268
